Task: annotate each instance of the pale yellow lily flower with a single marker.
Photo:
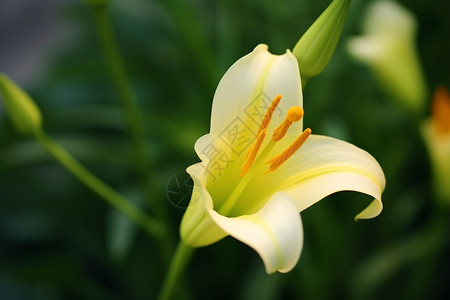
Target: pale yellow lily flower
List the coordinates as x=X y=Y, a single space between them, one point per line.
x=436 y=133
x=259 y=169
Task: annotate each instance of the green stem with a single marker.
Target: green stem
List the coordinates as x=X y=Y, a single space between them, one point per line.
x=133 y=119
x=131 y=110
x=180 y=259
x=153 y=227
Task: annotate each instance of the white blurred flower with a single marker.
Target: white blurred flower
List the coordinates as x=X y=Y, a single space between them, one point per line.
x=388 y=48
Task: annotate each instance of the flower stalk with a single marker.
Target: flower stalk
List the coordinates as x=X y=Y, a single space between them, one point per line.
x=130 y=106
x=27 y=118
x=179 y=262
x=151 y=226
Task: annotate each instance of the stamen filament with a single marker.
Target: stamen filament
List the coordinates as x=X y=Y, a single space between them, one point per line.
x=280 y=159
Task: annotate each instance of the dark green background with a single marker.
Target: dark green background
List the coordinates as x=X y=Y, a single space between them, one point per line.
x=60 y=241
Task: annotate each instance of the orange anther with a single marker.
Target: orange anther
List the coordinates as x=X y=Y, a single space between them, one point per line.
x=251 y=154
x=266 y=119
x=280 y=159
x=253 y=150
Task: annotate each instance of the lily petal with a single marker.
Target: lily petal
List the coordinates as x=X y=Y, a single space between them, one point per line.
x=329 y=165
x=323 y=166
x=220 y=168
x=240 y=102
x=275 y=232
x=197 y=228
x=249 y=86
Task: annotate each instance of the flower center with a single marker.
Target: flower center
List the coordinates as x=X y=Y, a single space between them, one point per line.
x=293 y=115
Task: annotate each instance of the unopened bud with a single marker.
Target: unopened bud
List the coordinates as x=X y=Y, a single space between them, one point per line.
x=315 y=48
x=23 y=112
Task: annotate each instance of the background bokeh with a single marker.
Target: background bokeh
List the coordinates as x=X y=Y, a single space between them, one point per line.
x=60 y=241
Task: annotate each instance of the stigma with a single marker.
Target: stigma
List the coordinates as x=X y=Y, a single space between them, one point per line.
x=294 y=114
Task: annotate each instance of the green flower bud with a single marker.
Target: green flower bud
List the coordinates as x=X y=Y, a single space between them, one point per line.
x=315 y=48
x=23 y=112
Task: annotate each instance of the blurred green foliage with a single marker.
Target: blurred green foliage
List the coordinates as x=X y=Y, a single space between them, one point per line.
x=59 y=241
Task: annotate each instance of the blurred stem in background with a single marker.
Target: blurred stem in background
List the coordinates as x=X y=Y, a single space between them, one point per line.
x=151 y=226
x=132 y=112
x=193 y=32
x=27 y=119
